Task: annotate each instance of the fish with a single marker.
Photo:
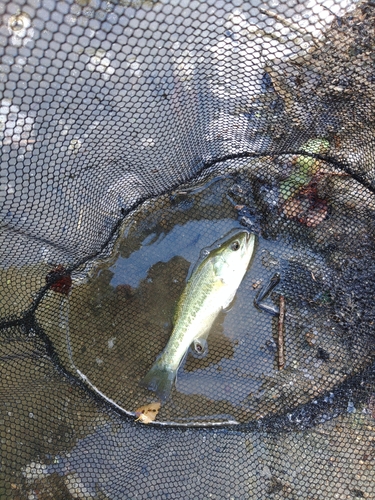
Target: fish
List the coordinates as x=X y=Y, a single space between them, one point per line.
x=211 y=288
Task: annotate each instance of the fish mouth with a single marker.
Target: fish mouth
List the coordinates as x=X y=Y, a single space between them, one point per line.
x=247 y=235
x=249 y=239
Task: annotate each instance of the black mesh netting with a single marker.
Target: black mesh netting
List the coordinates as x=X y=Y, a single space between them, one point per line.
x=138 y=137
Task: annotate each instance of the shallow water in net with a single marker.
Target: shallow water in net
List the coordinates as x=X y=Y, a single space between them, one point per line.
x=118 y=319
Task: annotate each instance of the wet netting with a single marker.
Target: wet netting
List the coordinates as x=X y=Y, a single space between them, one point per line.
x=187 y=262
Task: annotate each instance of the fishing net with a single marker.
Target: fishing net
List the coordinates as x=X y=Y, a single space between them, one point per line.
x=136 y=138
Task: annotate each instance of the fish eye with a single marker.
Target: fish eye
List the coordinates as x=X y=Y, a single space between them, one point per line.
x=235 y=246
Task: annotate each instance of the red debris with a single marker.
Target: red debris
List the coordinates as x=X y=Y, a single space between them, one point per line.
x=306 y=206
x=60 y=280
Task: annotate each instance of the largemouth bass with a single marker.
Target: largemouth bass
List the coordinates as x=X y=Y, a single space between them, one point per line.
x=210 y=289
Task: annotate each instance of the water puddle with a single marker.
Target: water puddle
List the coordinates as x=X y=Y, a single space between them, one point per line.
x=115 y=323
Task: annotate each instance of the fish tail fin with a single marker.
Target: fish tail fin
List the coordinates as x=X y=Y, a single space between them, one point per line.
x=159 y=379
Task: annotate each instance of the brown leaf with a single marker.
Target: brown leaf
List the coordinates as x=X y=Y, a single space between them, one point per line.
x=147 y=413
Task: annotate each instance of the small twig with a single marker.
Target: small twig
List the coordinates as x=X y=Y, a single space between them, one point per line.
x=280 y=335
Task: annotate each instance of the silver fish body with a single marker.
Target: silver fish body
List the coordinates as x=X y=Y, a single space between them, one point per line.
x=210 y=289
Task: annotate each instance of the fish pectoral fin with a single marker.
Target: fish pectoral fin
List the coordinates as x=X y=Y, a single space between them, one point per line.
x=199 y=347
x=218 y=266
x=218 y=284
